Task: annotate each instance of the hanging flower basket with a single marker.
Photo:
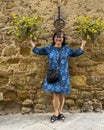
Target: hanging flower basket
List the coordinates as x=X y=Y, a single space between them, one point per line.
x=26 y=27
x=88 y=27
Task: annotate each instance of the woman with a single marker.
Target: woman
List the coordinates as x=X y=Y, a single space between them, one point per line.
x=62 y=87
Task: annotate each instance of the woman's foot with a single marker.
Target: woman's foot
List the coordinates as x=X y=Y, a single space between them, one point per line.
x=53 y=118
x=61 y=117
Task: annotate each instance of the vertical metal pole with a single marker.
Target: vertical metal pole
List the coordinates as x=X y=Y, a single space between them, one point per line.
x=58 y=12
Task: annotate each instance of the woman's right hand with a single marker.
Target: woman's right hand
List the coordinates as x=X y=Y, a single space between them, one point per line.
x=32 y=43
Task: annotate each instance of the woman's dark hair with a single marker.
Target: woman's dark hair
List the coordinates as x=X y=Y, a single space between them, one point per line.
x=58 y=32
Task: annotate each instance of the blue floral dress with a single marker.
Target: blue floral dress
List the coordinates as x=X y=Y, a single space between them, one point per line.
x=63 y=85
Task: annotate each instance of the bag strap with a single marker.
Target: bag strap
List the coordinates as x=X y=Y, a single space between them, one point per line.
x=59 y=58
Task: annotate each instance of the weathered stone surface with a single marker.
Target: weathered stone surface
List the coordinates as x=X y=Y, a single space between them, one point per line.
x=10 y=4
x=40 y=107
x=78 y=81
x=95 y=79
x=9 y=51
x=13 y=60
x=80 y=102
x=22 y=72
x=97 y=106
x=99 y=95
x=22 y=94
x=87 y=107
x=39 y=111
x=86 y=62
x=98 y=55
x=40 y=94
x=100 y=69
x=41 y=100
x=86 y=95
x=1 y=96
x=10 y=95
x=73 y=94
x=11 y=108
x=28 y=102
x=70 y=103
x=31 y=81
x=25 y=51
x=3 y=80
x=18 y=80
x=26 y=110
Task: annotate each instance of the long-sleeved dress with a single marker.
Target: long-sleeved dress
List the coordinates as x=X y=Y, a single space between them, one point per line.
x=63 y=85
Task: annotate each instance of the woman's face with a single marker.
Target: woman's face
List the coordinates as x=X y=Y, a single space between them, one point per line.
x=58 y=39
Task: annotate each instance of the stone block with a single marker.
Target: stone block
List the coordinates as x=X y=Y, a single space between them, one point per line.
x=3 y=79
x=40 y=107
x=10 y=51
x=70 y=103
x=25 y=51
x=1 y=96
x=22 y=94
x=78 y=81
x=10 y=95
x=26 y=110
x=28 y=102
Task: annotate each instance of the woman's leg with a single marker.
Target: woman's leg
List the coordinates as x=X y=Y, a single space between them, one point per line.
x=62 y=101
x=56 y=103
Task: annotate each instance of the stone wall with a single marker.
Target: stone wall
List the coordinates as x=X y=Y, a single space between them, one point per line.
x=22 y=72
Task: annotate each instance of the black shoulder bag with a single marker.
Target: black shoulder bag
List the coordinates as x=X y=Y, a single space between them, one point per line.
x=53 y=74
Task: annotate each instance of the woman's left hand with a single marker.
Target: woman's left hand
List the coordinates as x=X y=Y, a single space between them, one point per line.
x=83 y=44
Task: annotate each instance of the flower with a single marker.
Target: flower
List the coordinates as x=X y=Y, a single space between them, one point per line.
x=26 y=27
x=88 y=27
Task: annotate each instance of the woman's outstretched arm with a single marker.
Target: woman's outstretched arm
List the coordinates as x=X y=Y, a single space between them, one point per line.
x=79 y=51
x=40 y=51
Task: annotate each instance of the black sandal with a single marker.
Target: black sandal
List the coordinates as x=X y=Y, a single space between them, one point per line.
x=61 y=117
x=53 y=118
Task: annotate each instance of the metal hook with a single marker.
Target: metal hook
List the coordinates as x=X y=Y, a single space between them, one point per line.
x=59 y=22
